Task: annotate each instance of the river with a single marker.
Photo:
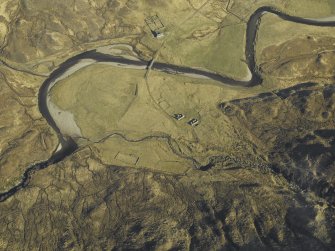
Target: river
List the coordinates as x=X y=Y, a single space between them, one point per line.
x=69 y=146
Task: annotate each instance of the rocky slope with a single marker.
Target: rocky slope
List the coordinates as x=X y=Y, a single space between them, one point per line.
x=279 y=194
x=81 y=203
x=296 y=128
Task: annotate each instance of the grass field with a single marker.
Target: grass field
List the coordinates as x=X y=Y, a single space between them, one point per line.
x=285 y=31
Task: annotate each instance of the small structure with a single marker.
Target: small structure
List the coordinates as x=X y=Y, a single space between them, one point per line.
x=179 y=116
x=156 y=26
x=158 y=34
x=193 y=122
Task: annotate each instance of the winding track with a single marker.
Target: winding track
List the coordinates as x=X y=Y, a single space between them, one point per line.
x=68 y=145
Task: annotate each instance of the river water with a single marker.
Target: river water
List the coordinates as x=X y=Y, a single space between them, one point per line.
x=69 y=146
